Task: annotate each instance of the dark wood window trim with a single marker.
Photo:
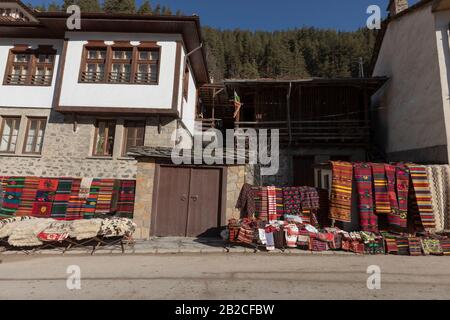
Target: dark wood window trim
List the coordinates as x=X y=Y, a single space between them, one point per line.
x=41 y=124
x=107 y=146
x=16 y=125
x=37 y=70
x=126 y=69
x=134 y=135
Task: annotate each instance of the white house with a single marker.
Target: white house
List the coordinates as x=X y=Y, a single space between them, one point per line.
x=413 y=108
x=73 y=102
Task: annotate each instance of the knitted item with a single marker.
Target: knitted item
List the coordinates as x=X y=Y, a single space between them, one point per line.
x=341 y=192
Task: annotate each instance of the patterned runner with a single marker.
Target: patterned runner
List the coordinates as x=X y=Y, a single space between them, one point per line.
x=363 y=177
x=341 y=193
x=422 y=197
x=382 y=204
x=402 y=175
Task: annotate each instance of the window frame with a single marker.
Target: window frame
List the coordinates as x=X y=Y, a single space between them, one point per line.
x=126 y=127
x=109 y=61
x=97 y=127
x=27 y=132
x=2 y=127
x=32 y=65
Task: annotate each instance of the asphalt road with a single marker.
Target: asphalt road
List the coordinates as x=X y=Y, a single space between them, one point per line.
x=223 y=277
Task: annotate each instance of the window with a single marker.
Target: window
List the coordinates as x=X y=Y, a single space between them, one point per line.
x=30 y=67
x=34 y=137
x=134 y=135
x=186 y=83
x=9 y=133
x=95 y=61
x=104 y=138
x=121 y=64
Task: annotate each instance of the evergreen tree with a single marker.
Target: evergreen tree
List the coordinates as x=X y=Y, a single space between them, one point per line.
x=54 y=7
x=145 y=8
x=157 y=10
x=119 y=6
x=85 y=5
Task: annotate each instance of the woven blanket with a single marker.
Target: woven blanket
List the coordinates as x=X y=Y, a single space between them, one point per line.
x=55 y=231
x=341 y=193
x=85 y=229
x=75 y=205
x=117 y=227
x=62 y=197
x=402 y=176
x=280 y=203
x=402 y=246
x=431 y=247
x=446 y=170
x=292 y=201
x=424 y=216
x=310 y=198
x=246 y=201
x=28 y=197
x=415 y=247
x=382 y=204
x=25 y=233
x=261 y=203
x=436 y=176
x=125 y=203
x=363 y=176
x=445 y=245
x=12 y=196
x=272 y=203
x=105 y=196
x=91 y=201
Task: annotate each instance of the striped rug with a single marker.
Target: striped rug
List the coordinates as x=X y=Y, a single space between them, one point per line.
x=341 y=192
x=75 y=205
x=62 y=196
x=422 y=198
x=364 y=183
x=91 y=201
x=125 y=203
x=105 y=196
x=272 y=203
x=394 y=215
x=28 y=197
x=382 y=204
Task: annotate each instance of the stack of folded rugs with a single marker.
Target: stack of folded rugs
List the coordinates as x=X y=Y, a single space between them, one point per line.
x=34 y=232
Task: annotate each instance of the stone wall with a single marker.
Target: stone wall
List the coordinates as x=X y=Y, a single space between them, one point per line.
x=236 y=177
x=68 y=144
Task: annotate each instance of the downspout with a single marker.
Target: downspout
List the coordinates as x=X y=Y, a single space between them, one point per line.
x=186 y=57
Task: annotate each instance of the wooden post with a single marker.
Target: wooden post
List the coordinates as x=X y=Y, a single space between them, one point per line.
x=288 y=110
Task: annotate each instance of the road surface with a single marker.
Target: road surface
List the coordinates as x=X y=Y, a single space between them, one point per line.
x=221 y=276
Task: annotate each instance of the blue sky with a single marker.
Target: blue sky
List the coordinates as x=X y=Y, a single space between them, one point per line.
x=272 y=15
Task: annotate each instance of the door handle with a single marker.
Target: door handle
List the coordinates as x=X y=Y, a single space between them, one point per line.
x=194 y=198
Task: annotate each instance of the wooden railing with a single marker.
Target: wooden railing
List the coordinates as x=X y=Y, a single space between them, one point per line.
x=207 y=124
x=311 y=132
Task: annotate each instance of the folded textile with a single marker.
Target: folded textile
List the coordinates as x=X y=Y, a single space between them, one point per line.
x=8 y=225
x=85 y=229
x=291 y=232
x=126 y=198
x=117 y=227
x=431 y=247
x=25 y=233
x=55 y=231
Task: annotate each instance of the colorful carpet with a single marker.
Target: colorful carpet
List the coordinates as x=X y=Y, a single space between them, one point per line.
x=62 y=197
x=403 y=178
x=382 y=204
x=12 y=196
x=28 y=197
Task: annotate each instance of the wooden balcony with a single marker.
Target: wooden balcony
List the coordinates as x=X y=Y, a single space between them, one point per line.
x=343 y=132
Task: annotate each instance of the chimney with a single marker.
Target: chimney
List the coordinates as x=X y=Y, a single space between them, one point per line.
x=397 y=6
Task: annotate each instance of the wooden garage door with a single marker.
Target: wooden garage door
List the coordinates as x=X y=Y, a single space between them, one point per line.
x=188 y=202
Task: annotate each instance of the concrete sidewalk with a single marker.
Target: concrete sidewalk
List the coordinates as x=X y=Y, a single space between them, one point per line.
x=169 y=246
